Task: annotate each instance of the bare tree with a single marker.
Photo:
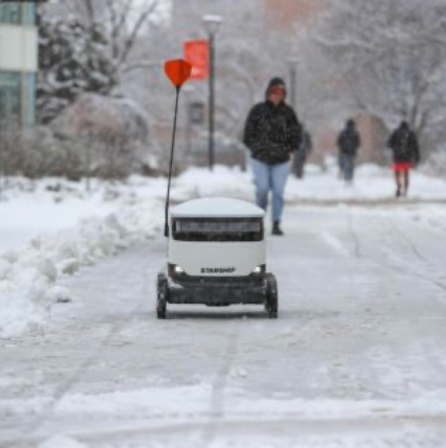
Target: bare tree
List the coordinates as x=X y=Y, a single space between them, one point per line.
x=391 y=56
x=125 y=27
x=123 y=20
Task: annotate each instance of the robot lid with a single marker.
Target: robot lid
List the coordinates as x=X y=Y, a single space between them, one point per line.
x=216 y=208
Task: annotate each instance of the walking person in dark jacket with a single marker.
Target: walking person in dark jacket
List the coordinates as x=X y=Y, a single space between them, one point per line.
x=272 y=133
x=406 y=154
x=300 y=157
x=348 y=143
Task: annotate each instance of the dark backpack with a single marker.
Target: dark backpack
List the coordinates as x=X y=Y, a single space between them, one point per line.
x=349 y=142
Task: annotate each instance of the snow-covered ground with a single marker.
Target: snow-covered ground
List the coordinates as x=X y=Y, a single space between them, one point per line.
x=30 y=208
x=53 y=227
x=356 y=358
x=372 y=184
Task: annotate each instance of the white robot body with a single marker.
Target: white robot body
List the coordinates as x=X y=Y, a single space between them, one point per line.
x=216 y=257
x=217 y=237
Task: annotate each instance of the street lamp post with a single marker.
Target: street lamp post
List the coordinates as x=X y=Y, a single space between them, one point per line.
x=292 y=65
x=1 y=166
x=212 y=24
x=188 y=90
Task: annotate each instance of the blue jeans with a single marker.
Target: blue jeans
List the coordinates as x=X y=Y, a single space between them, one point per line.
x=347 y=165
x=270 y=177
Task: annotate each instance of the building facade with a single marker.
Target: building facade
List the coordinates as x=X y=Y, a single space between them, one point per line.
x=285 y=14
x=18 y=63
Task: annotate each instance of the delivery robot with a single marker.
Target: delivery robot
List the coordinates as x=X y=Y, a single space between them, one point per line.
x=216 y=257
x=216 y=246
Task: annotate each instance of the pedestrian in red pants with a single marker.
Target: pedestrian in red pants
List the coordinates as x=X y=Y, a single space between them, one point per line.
x=404 y=145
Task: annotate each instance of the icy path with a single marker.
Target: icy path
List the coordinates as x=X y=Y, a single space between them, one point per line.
x=356 y=359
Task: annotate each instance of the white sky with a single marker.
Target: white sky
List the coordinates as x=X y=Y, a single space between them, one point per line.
x=163 y=10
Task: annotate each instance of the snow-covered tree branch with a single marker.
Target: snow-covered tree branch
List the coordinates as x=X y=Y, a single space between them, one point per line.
x=87 y=50
x=391 y=55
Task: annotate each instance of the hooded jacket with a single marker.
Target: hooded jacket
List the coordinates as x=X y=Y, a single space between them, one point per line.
x=272 y=132
x=404 y=145
x=349 y=140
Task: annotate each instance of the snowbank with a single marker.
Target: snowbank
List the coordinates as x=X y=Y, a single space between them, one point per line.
x=28 y=276
x=45 y=232
x=26 y=214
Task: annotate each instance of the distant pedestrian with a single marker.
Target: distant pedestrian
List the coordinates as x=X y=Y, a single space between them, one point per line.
x=300 y=157
x=272 y=133
x=348 y=143
x=406 y=154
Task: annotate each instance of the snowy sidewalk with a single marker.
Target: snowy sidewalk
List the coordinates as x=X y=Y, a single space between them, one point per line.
x=356 y=358
x=50 y=228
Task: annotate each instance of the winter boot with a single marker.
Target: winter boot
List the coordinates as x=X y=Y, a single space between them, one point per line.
x=276 y=229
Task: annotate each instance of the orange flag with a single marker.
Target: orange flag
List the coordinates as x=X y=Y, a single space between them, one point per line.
x=178 y=71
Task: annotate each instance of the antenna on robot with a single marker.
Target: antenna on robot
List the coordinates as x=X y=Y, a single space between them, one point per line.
x=178 y=71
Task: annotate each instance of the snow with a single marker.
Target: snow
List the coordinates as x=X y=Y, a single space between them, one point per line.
x=372 y=183
x=43 y=213
x=61 y=442
x=216 y=208
x=189 y=402
x=46 y=230
x=222 y=181
x=92 y=111
x=356 y=358
x=28 y=275
x=385 y=84
x=29 y=272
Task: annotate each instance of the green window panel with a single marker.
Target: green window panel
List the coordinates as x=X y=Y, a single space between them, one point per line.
x=18 y=98
x=11 y=12
x=28 y=99
x=29 y=14
x=23 y=13
x=10 y=97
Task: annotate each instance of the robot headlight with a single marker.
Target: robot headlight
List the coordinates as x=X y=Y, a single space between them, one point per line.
x=178 y=270
x=258 y=270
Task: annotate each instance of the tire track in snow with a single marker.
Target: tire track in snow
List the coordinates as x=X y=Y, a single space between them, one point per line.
x=211 y=431
x=335 y=243
x=400 y=266
x=357 y=246
x=414 y=250
x=94 y=357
